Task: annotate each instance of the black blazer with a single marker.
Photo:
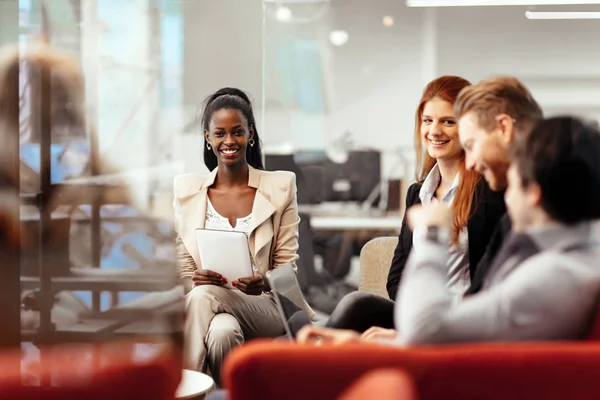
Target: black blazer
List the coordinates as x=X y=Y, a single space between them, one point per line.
x=500 y=234
x=489 y=208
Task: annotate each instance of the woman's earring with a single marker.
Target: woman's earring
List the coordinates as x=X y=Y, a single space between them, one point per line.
x=207 y=145
x=251 y=142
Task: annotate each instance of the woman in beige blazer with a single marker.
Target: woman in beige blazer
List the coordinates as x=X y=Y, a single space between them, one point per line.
x=236 y=195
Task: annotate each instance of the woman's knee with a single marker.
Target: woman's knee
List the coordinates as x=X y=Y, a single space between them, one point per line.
x=203 y=295
x=356 y=299
x=352 y=309
x=224 y=338
x=224 y=333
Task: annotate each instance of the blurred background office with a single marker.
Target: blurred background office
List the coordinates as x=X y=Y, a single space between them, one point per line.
x=335 y=84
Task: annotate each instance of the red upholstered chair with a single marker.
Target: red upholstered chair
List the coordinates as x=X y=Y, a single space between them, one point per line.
x=595 y=329
x=118 y=377
x=384 y=384
x=485 y=371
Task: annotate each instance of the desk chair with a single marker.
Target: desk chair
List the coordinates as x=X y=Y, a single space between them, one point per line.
x=322 y=291
x=285 y=162
x=314 y=175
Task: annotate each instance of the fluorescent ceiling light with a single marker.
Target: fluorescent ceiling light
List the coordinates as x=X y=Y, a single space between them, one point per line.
x=296 y=1
x=473 y=3
x=562 y=15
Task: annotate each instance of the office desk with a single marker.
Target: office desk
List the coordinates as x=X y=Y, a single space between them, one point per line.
x=349 y=217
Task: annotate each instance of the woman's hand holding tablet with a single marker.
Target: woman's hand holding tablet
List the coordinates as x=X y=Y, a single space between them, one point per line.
x=206 y=277
x=253 y=285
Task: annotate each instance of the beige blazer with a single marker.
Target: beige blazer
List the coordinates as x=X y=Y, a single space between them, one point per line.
x=273 y=237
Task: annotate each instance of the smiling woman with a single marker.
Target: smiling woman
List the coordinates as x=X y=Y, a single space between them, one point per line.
x=228 y=119
x=236 y=195
x=441 y=178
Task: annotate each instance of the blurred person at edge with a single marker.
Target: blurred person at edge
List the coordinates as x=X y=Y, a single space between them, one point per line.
x=68 y=125
x=68 y=117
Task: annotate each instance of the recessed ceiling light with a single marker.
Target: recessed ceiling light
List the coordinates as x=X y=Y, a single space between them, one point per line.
x=338 y=37
x=283 y=14
x=388 y=21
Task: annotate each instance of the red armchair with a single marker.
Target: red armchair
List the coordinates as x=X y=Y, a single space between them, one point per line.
x=117 y=378
x=490 y=371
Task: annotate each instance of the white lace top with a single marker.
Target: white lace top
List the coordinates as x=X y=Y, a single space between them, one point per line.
x=216 y=221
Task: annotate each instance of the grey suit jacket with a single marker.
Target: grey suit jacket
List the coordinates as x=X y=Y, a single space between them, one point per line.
x=550 y=295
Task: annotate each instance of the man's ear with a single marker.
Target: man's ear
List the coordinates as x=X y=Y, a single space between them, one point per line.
x=507 y=127
x=534 y=194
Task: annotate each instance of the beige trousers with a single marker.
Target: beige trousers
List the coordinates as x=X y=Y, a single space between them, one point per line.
x=219 y=319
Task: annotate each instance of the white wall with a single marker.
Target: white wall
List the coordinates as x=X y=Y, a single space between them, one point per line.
x=222 y=47
x=557 y=59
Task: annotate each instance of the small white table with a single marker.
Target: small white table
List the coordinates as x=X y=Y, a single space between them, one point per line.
x=193 y=384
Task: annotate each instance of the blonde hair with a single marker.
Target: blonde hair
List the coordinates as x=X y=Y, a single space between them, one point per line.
x=499 y=95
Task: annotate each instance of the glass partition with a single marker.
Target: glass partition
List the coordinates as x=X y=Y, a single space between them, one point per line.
x=341 y=83
x=342 y=80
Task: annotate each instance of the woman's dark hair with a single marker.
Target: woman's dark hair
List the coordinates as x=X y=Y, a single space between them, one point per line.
x=562 y=155
x=234 y=99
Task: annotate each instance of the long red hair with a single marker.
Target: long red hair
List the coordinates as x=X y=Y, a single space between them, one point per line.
x=446 y=88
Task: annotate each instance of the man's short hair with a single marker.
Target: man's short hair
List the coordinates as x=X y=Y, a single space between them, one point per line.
x=499 y=95
x=562 y=155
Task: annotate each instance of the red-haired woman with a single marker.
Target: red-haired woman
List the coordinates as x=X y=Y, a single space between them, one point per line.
x=441 y=177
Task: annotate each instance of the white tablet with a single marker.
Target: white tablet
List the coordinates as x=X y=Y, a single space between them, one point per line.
x=226 y=253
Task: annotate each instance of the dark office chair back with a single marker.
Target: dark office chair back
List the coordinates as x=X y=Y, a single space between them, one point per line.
x=315 y=177
x=355 y=179
x=285 y=162
x=306 y=263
